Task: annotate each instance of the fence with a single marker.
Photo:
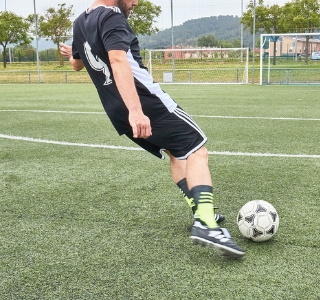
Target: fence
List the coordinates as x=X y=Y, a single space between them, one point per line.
x=211 y=65
x=199 y=65
x=291 y=76
x=45 y=77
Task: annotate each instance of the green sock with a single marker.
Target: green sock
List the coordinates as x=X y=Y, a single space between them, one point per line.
x=182 y=184
x=203 y=199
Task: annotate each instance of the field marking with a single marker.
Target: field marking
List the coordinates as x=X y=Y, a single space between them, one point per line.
x=227 y=153
x=53 y=111
x=27 y=139
x=261 y=118
x=198 y=116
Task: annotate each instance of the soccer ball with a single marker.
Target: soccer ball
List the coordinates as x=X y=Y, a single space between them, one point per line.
x=258 y=220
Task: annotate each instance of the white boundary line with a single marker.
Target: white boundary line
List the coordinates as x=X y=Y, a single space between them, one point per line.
x=53 y=111
x=198 y=116
x=227 y=153
x=260 y=118
x=27 y=139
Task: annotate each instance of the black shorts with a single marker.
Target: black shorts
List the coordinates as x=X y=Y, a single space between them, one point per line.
x=177 y=133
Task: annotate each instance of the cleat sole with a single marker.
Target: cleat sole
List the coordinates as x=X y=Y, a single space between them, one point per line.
x=224 y=251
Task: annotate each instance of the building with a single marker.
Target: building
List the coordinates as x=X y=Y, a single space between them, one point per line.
x=292 y=46
x=196 y=53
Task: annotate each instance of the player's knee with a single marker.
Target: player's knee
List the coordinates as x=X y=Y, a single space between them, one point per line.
x=201 y=154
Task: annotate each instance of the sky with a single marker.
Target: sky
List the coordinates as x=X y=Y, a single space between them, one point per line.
x=183 y=10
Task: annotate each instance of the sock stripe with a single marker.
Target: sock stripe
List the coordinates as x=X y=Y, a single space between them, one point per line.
x=205 y=202
x=204 y=197
x=206 y=193
x=205 y=208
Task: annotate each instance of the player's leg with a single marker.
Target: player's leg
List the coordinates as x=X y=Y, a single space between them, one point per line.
x=183 y=138
x=178 y=170
x=205 y=230
x=200 y=184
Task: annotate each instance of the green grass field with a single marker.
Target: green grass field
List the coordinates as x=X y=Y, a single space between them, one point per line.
x=84 y=215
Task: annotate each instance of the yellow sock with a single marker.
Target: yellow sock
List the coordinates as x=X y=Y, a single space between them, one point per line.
x=203 y=199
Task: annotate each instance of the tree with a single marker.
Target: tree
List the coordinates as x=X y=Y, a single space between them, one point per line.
x=25 y=52
x=267 y=21
x=13 y=30
x=142 y=18
x=302 y=16
x=207 y=41
x=48 y=55
x=55 y=25
x=233 y=44
x=210 y=41
x=247 y=18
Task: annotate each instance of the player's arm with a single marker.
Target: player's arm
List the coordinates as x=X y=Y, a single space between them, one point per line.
x=76 y=64
x=66 y=51
x=124 y=80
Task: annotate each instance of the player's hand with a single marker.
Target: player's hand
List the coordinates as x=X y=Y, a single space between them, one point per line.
x=65 y=50
x=140 y=124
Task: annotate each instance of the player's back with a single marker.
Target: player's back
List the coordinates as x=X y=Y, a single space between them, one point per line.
x=99 y=31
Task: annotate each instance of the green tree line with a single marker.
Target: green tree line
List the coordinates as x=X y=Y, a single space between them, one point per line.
x=224 y=29
x=298 y=16
x=27 y=53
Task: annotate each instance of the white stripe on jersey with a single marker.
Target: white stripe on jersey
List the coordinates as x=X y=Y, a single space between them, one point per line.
x=154 y=88
x=114 y=8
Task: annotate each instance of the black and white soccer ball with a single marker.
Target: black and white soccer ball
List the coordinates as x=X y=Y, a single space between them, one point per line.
x=258 y=220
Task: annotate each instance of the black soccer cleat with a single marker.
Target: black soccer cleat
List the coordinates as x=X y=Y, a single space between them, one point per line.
x=218 y=238
x=219 y=218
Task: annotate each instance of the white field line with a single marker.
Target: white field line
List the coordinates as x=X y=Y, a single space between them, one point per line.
x=27 y=139
x=227 y=153
x=261 y=118
x=53 y=111
x=198 y=116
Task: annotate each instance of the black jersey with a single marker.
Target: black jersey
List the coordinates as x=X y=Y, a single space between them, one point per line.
x=100 y=30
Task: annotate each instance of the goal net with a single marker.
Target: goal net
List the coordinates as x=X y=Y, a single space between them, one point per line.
x=292 y=58
x=199 y=65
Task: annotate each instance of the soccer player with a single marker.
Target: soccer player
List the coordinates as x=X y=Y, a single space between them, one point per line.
x=105 y=44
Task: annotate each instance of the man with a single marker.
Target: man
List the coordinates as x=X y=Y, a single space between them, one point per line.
x=106 y=46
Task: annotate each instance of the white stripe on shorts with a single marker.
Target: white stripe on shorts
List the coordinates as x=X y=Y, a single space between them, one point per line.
x=185 y=117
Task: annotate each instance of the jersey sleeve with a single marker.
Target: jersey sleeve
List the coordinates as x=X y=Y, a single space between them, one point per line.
x=75 y=53
x=115 y=32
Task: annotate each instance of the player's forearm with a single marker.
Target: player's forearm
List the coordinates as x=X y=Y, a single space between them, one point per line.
x=76 y=64
x=66 y=51
x=124 y=80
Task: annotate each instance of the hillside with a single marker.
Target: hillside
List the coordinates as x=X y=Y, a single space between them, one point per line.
x=187 y=34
